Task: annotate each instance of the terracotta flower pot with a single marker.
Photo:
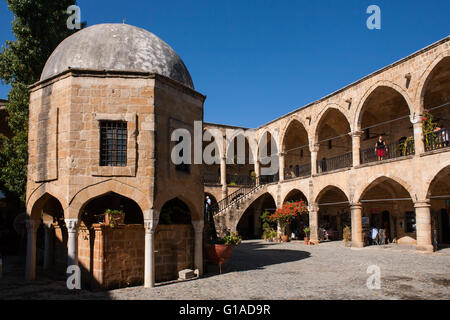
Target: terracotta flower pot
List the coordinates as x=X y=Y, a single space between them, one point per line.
x=114 y=219
x=219 y=253
x=285 y=238
x=306 y=240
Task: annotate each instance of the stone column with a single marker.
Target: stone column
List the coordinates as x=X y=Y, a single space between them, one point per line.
x=356 y=147
x=418 y=135
x=314 y=151
x=223 y=177
x=48 y=245
x=423 y=226
x=281 y=166
x=356 y=216
x=149 y=267
x=30 y=266
x=72 y=239
x=257 y=171
x=198 y=260
x=314 y=223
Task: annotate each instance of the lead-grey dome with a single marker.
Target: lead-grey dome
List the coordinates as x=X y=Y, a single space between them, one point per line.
x=117 y=47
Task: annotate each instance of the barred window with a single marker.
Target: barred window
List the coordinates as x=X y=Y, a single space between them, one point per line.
x=113 y=143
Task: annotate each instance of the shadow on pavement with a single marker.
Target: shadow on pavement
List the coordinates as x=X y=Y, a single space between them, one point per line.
x=256 y=255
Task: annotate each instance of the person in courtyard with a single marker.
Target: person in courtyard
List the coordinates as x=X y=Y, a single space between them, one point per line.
x=207 y=204
x=380 y=148
x=374 y=235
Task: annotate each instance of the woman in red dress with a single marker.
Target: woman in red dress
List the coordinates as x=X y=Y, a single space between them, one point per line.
x=380 y=148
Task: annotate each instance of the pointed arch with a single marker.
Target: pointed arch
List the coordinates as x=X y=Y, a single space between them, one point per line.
x=424 y=80
x=379 y=84
x=86 y=194
x=292 y=121
x=383 y=179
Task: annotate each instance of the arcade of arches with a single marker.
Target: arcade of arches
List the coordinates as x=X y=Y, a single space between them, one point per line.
x=326 y=154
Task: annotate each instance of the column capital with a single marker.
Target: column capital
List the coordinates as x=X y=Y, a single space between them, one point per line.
x=71 y=224
x=416 y=119
x=198 y=225
x=356 y=134
x=355 y=205
x=422 y=204
x=150 y=225
x=32 y=225
x=314 y=147
x=313 y=207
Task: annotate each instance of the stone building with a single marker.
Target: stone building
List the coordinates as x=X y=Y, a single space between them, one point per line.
x=101 y=122
x=327 y=158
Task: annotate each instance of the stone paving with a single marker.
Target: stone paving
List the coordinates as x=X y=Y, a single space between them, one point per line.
x=262 y=270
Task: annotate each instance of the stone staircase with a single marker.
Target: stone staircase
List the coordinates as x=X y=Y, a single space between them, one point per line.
x=228 y=211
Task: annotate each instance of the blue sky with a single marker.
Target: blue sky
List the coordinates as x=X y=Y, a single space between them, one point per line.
x=256 y=60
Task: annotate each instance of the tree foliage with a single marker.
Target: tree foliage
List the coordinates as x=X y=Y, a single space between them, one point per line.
x=38 y=26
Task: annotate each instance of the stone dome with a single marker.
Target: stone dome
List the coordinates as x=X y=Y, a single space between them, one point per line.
x=117 y=47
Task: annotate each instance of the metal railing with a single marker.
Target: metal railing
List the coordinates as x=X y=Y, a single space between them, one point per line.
x=231 y=198
x=339 y=162
x=392 y=151
x=437 y=140
x=241 y=193
x=240 y=180
x=298 y=171
x=211 y=178
x=269 y=179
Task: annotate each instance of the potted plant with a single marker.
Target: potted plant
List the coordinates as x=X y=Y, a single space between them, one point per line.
x=283 y=216
x=221 y=249
x=347 y=235
x=113 y=218
x=306 y=230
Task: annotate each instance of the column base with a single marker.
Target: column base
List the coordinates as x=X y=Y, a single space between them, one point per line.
x=425 y=248
x=314 y=241
x=357 y=244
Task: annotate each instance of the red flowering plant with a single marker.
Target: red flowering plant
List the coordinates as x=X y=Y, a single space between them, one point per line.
x=428 y=128
x=288 y=212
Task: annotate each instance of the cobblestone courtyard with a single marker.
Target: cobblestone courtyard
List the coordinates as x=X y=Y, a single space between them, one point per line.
x=262 y=270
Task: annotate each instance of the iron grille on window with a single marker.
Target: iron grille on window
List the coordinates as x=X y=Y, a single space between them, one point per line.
x=113 y=143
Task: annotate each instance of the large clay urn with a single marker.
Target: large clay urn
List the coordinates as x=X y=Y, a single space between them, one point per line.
x=219 y=253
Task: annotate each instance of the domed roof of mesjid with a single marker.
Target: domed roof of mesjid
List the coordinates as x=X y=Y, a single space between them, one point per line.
x=117 y=47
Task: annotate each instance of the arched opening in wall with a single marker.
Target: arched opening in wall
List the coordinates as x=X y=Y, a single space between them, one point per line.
x=104 y=244
x=297 y=156
x=240 y=166
x=212 y=164
x=174 y=240
x=250 y=225
x=268 y=158
x=389 y=209
x=385 y=114
x=94 y=210
x=335 y=143
x=333 y=215
x=439 y=195
x=436 y=99
x=51 y=238
x=298 y=225
x=211 y=208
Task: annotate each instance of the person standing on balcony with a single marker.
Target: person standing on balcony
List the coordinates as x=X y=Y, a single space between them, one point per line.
x=380 y=148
